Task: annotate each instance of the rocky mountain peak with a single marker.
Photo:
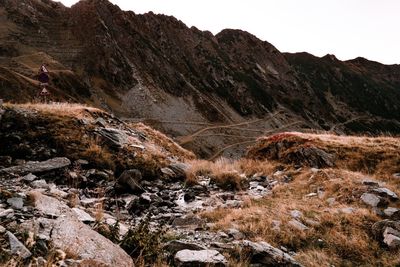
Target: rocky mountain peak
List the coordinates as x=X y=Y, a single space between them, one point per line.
x=154 y=67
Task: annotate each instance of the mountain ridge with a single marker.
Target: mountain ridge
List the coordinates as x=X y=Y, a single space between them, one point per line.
x=148 y=66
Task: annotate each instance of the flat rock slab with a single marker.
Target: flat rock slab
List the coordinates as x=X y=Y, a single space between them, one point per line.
x=17 y=248
x=38 y=166
x=82 y=215
x=69 y=234
x=200 y=258
x=386 y=193
x=48 y=205
x=263 y=254
x=370 y=199
x=16 y=202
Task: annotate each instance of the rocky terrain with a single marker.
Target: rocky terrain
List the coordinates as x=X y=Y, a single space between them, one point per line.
x=181 y=80
x=79 y=187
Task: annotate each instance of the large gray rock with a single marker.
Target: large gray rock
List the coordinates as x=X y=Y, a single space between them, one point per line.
x=69 y=234
x=199 y=258
x=47 y=205
x=378 y=228
x=17 y=248
x=371 y=199
x=37 y=167
x=16 y=202
x=391 y=238
x=263 y=254
x=392 y=213
x=384 y=192
x=114 y=137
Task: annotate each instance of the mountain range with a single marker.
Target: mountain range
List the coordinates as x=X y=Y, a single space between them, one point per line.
x=207 y=91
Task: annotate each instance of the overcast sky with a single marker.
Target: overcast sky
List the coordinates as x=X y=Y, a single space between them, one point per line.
x=346 y=28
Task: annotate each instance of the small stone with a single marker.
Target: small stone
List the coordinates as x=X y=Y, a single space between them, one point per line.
x=16 y=202
x=311 y=195
x=176 y=245
x=331 y=201
x=200 y=258
x=2 y=230
x=370 y=182
x=40 y=184
x=370 y=199
x=82 y=162
x=17 y=248
x=57 y=192
x=393 y=213
x=130 y=180
x=276 y=225
x=296 y=214
x=347 y=210
x=29 y=178
x=222 y=235
x=297 y=225
x=396 y=175
x=83 y=216
x=392 y=241
x=235 y=234
x=6 y=213
x=391 y=231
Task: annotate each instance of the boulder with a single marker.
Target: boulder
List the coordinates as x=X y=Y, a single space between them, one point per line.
x=200 y=258
x=392 y=213
x=130 y=180
x=69 y=234
x=384 y=192
x=17 y=248
x=297 y=225
x=378 y=228
x=371 y=199
x=263 y=254
x=175 y=170
x=16 y=202
x=114 y=137
x=37 y=167
x=391 y=238
x=47 y=205
x=311 y=156
x=175 y=245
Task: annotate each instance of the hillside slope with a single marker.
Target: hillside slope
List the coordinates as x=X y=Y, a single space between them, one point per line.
x=154 y=67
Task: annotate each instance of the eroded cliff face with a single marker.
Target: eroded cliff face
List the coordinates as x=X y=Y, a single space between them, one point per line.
x=154 y=67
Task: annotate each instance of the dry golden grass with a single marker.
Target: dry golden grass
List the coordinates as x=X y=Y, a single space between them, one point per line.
x=164 y=142
x=229 y=174
x=98 y=155
x=379 y=155
x=75 y=110
x=334 y=237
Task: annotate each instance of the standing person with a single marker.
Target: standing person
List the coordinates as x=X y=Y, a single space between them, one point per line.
x=43 y=81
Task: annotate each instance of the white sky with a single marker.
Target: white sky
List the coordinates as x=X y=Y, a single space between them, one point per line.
x=346 y=28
